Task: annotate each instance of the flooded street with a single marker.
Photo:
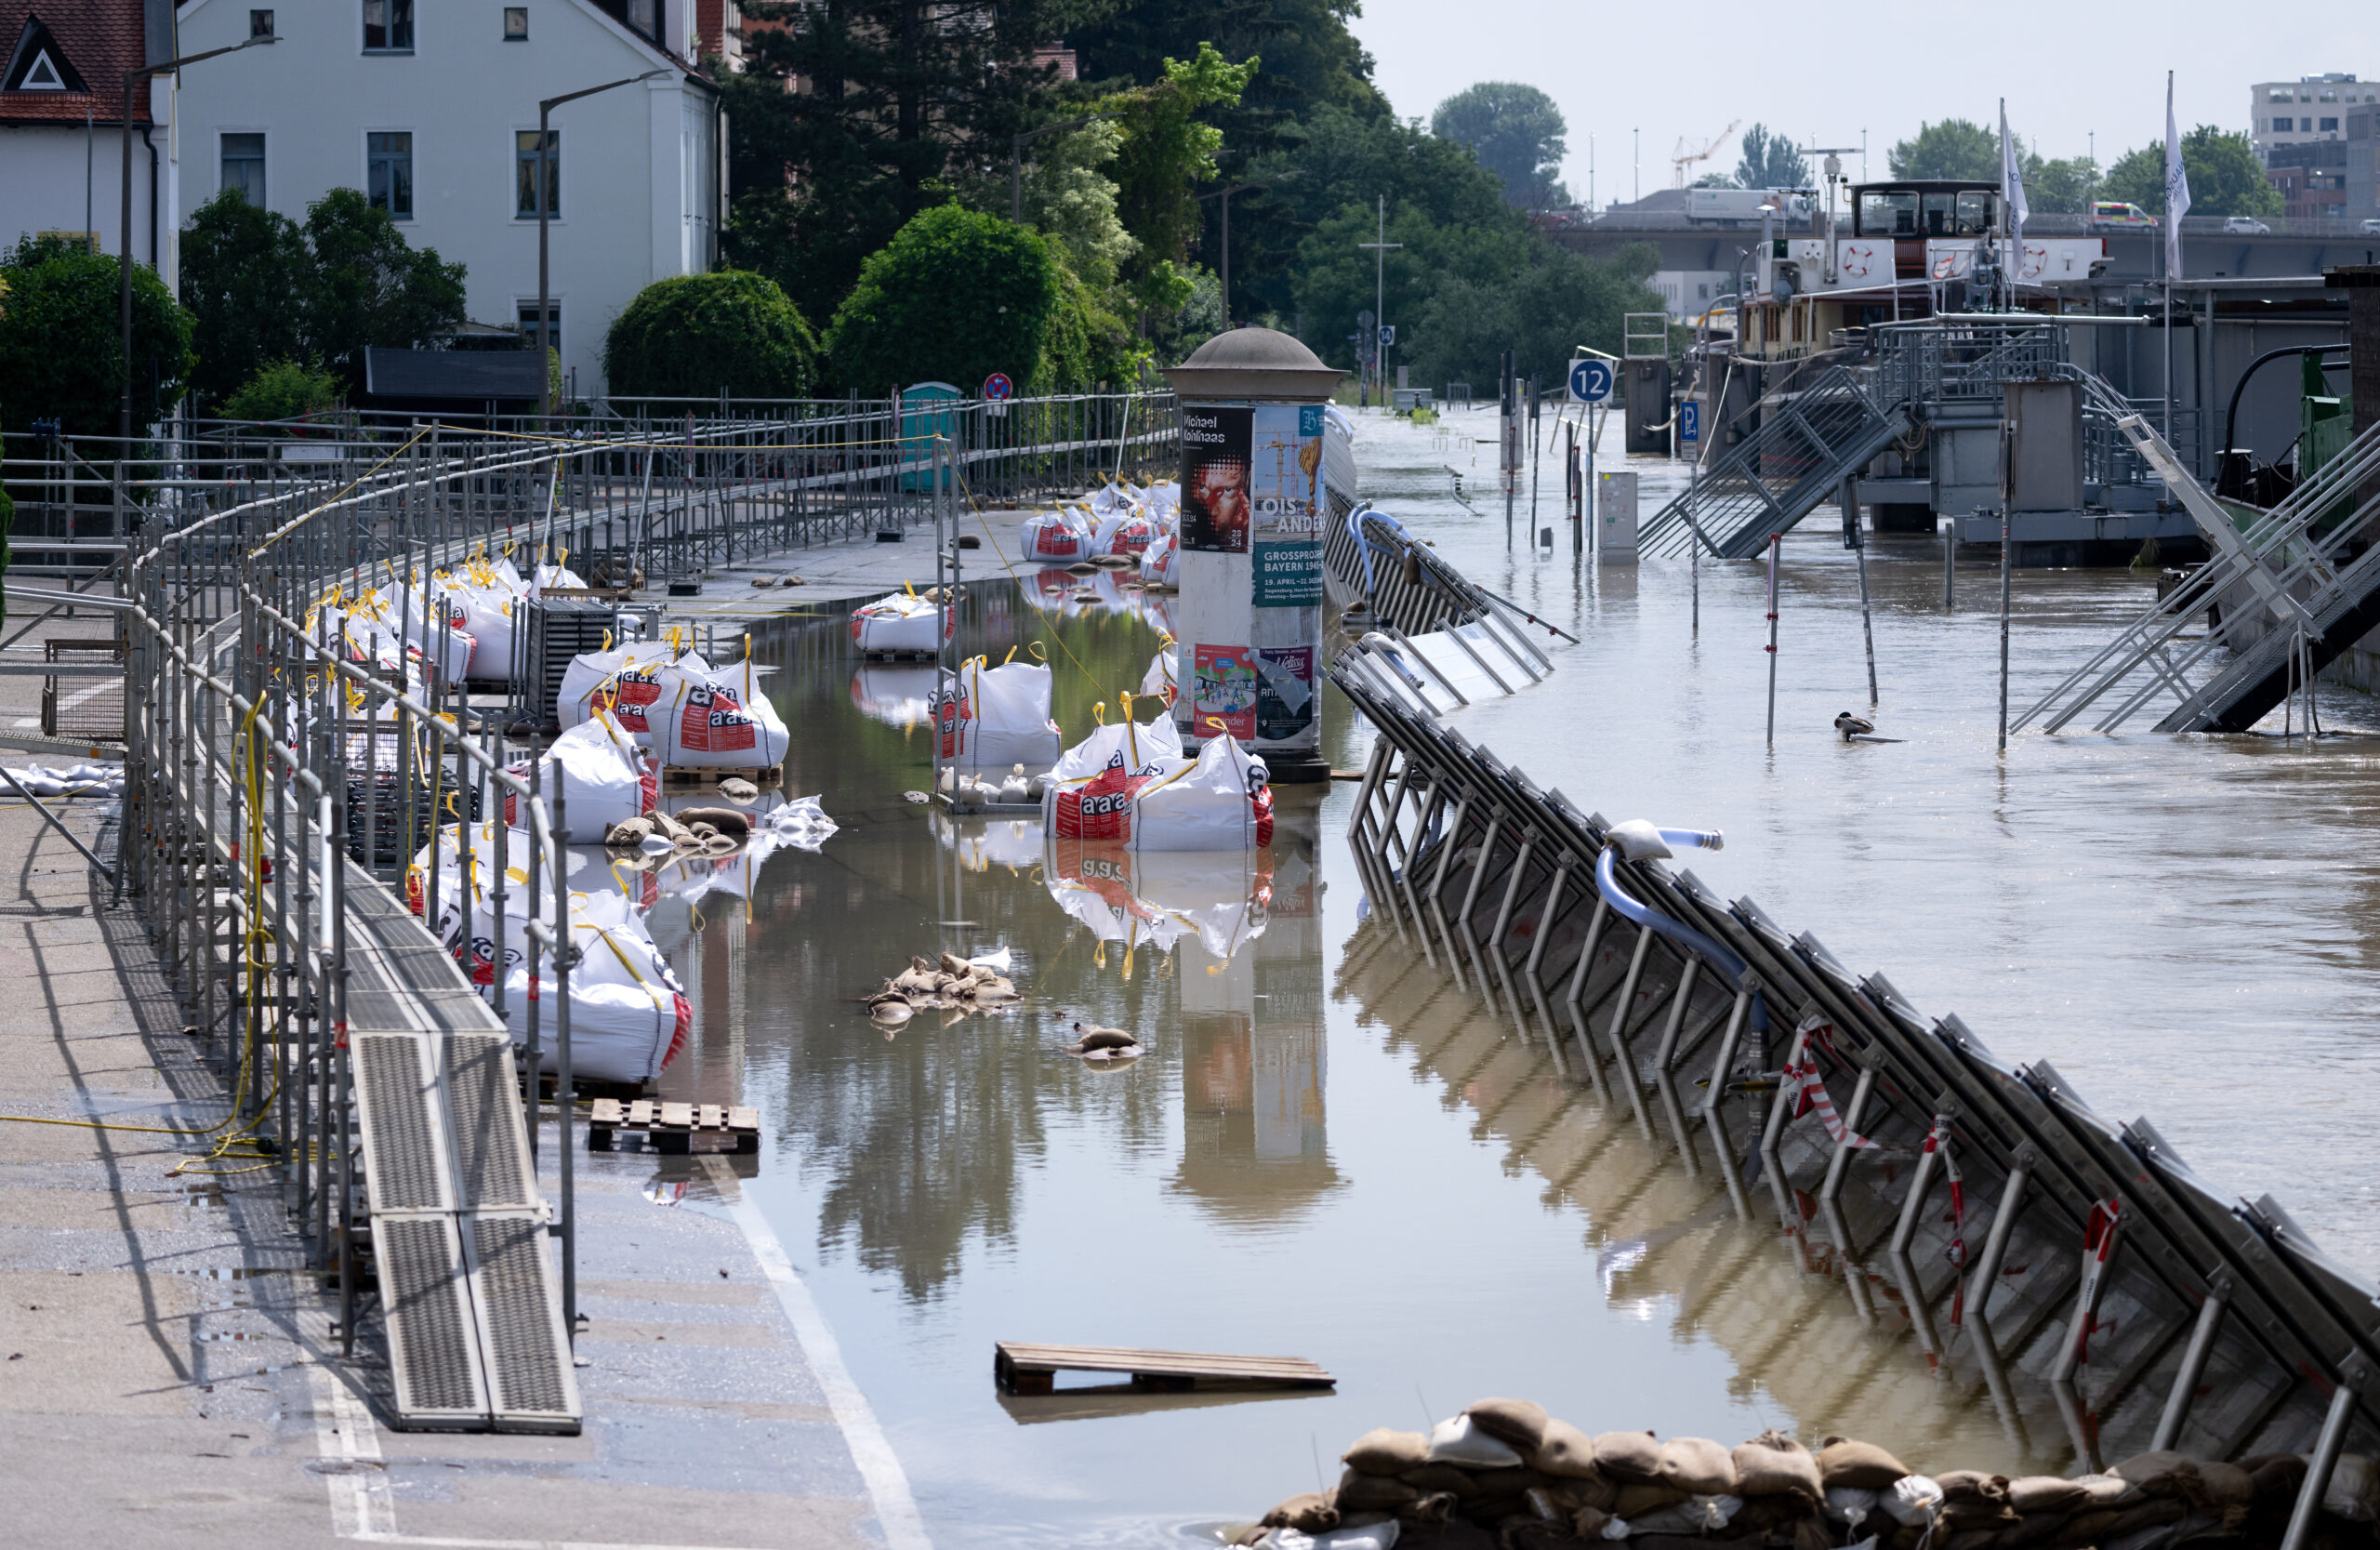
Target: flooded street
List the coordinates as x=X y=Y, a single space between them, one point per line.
x=1329 y=1152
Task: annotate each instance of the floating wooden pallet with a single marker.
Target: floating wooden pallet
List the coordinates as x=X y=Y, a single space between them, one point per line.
x=697 y=775
x=671 y=1128
x=1022 y=1368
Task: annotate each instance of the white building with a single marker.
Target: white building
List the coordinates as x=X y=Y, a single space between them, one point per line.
x=430 y=107
x=61 y=131
x=2305 y=112
x=1686 y=293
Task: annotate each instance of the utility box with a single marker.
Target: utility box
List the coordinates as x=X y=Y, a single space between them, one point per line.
x=1615 y=518
x=1648 y=406
x=1963 y=441
x=2046 y=456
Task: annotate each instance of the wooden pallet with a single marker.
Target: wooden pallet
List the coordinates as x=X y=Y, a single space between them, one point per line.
x=695 y=774
x=671 y=1128
x=1022 y=1368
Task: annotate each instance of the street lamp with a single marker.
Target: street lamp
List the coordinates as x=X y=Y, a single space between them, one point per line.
x=123 y=276
x=1225 y=194
x=545 y=209
x=1016 y=159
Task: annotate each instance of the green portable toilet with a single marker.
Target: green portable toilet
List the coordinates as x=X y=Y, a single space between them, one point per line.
x=928 y=409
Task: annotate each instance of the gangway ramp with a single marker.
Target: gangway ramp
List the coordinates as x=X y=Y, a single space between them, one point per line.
x=2296 y=594
x=476 y=1338
x=1808 y=443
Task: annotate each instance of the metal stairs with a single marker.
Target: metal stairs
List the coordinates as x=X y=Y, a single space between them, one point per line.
x=1808 y=443
x=2294 y=597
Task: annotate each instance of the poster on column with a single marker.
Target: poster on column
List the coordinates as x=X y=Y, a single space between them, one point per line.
x=1224 y=692
x=1215 y=478
x=1285 y=487
x=1284 y=691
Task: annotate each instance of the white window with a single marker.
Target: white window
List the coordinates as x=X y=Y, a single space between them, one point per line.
x=244 y=167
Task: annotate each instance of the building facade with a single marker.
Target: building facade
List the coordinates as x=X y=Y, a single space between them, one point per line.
x=62 y=125
x=430 y=108
x=2305 y=112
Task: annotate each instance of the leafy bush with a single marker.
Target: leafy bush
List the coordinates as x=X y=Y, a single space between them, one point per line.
x=955 y=296
x=690 y=336
x=284 y=389
x=61 y=347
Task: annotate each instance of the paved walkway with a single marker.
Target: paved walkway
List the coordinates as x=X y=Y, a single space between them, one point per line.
x=858 y=567
x=168 y=1371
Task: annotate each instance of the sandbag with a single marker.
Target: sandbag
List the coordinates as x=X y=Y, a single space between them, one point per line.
x=1457 y=1441
x=1383 y=1452
x=1850 y=1505
x=1565 y=1452
x=1628 y=1456
x=1161 y=561
x=1862 y=1466
x=1358 y=1492
x=902 y=622
x=626 y=681
x=1774 y=1465
x=1697 y=1515
x=1431 y=1478
x=2049 y=1493
x=1060 y=538
x=1639 y=1497
x=1698 y=1467
x=602 y=778
x=1518 y=1422
x=1912 y=1500
x=716 y=719
x=1309 y=1513
x=1123 y=533
x=2353 y=1491
x=2165 y=1473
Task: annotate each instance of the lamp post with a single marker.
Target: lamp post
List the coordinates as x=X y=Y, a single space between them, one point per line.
x=545 y=210
x=132 y=78
x=1016 y=159
x=1380 y=294
x=1224 y=195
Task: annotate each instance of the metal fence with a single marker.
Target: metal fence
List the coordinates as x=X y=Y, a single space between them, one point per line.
x=2072 y=1270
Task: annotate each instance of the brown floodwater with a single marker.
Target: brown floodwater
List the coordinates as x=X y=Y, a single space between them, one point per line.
x=1329 y=1152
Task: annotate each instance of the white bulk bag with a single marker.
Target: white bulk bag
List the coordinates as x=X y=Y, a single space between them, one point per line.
x=554 y=579
x=626 y=681
x=1160 y=562
x=486 y=615
x=604 y=780
x=628 y=1016
x=1222 y=802
x=716 y=719
x=1123 y=532
x=1060 y=538
x=1135 y=744
x=1158 y=682
x=998 y=718
x=902 y=622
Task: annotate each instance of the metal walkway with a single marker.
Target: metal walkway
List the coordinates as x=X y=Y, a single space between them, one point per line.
x=2072 y=1270
x=1808 y=443
x=2293 y=594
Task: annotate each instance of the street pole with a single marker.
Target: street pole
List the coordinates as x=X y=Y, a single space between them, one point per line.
x=1224 y=195
x=1379 y=291
x=132 y=78
x=545 y=210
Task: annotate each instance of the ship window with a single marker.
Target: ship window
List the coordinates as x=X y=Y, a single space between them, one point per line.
x=1888 y=213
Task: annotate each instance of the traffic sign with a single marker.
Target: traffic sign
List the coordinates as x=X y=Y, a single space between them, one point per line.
x=1689 y=421
x=1387 y=334
x=1590 y=381
x=998 y=387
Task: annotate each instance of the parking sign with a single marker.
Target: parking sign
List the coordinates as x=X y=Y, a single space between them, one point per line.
x=1689 y=421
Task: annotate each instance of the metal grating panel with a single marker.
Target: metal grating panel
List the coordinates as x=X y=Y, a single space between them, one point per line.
x=484 y=1111
x=432 y=1349
x=393 y=1108
x=529 y=1359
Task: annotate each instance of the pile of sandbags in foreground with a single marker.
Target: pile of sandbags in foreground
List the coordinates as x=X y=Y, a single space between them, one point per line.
x=1504 y=1476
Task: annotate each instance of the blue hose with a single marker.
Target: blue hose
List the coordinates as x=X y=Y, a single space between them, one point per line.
x=1717 y=954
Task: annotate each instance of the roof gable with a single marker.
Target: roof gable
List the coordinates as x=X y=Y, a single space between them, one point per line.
x=39 y=64
x=68 y=57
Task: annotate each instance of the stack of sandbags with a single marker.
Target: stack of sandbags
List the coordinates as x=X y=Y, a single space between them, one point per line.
x=1503 y=1476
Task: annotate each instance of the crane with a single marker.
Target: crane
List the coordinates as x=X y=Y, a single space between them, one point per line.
x=1684 y=159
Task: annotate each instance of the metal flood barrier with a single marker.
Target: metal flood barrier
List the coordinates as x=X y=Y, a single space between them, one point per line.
x=282 y=774
x=2074 y=1267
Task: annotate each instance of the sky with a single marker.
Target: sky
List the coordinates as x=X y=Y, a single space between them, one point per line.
x=1616 y=67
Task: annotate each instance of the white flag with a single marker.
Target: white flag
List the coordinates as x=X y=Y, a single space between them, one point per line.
x=2012 y=186
x=2178 y=187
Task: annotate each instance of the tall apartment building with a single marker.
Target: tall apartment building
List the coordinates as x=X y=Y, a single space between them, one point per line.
x=2314 y=136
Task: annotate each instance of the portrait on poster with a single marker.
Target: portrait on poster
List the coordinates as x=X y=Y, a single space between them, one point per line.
x=1215 y=495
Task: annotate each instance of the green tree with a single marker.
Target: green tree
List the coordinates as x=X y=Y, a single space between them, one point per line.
x=1769 y=161
x=2224 y=174
x=956 y=295
x=2060 y=187
x=1166 y=152
x=898 y=102
x=1954 y=149
x=61 y=346
x=284 y=389
x=244 y=274
x=1518 y=133
x=366 y=286
x=694 y=335
x=1068 y=197
x=1540 y=309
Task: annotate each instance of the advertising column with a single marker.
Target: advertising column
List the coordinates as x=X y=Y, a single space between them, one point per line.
x=1248 y=622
